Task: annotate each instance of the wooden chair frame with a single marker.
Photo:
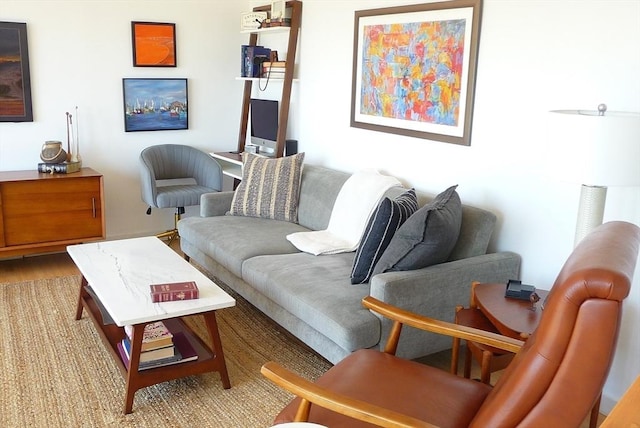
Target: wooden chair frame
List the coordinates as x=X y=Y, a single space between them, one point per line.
x=312 y=393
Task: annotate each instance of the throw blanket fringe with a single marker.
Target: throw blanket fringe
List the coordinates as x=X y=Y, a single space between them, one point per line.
x=356 y=201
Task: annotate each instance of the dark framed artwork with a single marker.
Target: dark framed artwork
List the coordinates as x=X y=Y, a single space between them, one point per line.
x=15 y=81
x=155 y=104
x=154 y=44
x=414 y=69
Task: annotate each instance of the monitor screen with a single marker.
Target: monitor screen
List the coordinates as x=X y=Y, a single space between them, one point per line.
x=264 y=123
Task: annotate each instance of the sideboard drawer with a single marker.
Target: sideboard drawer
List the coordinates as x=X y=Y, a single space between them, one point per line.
x=50 y=211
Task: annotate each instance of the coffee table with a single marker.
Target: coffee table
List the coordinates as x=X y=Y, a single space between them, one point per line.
x=115 y=292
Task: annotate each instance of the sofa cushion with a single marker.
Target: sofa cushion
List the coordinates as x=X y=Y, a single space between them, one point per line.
x=316 y=289
x=427 y=237
x=230 y=240
x=382 y=225
x=319 y=189
x=270 y=188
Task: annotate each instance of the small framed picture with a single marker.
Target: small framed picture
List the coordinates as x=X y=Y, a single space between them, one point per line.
x=15 y=81
x=155 y=104
x=154 y=44
x=277 y=9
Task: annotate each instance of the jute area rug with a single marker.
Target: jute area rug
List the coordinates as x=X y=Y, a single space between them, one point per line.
x=56 y=372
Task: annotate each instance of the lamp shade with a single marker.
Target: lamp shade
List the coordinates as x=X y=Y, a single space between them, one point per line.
x=598 y=148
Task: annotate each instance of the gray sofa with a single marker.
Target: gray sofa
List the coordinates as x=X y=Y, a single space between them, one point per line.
x=312 y=296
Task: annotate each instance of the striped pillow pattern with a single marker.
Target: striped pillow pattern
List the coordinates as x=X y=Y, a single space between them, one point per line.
x=383 y=223
x=270 y=187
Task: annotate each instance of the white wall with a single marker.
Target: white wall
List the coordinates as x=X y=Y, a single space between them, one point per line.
x=534 y=56
x=79 y=52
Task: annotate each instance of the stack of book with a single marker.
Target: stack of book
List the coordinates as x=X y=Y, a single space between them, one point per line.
x=160 y=347
x=273 y=70
x=276 y=22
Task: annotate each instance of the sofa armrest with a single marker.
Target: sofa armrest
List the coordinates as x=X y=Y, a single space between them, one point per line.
x=215 y=204
x=435 y=291
x=410 y=289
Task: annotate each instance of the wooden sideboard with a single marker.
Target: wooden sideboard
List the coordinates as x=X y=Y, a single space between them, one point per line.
x=46 y=212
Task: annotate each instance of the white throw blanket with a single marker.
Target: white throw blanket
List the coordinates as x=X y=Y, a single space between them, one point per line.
x=357 y=199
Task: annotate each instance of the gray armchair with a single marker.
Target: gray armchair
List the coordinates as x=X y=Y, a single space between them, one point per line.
x=196 y=173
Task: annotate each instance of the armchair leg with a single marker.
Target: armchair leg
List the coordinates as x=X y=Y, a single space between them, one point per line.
x=595 y=411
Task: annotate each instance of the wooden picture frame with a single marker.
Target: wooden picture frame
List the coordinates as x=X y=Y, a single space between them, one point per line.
x=154 y=44
x=15 y=80
x=414 y=69
x=152 y=104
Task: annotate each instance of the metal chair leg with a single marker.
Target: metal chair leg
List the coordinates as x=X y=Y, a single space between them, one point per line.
x=173 y=233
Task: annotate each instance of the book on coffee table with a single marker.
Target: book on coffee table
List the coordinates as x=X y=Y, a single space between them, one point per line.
x=156 y=335
x=152 y=355
x=168 y=292
x=184 y=352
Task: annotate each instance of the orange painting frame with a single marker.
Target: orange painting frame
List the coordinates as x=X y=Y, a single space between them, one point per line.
x=154 y=44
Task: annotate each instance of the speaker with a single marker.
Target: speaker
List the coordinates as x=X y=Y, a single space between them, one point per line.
x=290 y=147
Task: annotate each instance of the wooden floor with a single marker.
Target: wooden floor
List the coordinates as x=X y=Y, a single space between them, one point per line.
x=54 y=265
x=37 y=267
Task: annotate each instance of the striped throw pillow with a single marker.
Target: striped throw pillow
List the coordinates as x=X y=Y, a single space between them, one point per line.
x=383 y=223
x=270 y=187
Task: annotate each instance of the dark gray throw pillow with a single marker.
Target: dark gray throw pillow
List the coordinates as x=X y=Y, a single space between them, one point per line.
x=427 y=237
x=382 y=225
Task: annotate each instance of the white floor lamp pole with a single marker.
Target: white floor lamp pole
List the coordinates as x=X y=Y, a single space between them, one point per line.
x=590 y=210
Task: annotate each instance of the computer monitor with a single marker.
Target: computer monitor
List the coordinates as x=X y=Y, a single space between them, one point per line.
x=264 y=124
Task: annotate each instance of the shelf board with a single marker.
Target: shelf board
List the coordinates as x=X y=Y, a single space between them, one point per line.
x=280 y=29
x=264 y=79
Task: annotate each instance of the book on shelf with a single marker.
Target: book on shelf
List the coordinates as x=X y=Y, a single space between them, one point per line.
x=184 y=352
x=251 y=59
x=172 y=291
x=59 y=168
x=273 y=74
x=151 y=355
x=275 y=69
x=274 y=65
x=156 y=335
x=277 y=22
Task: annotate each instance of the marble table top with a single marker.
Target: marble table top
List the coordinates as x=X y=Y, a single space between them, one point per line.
x=120 y=273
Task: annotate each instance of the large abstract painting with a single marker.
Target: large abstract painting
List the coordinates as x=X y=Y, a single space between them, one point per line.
x=414 y=69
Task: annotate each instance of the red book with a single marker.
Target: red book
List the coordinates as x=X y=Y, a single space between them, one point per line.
x=174 y=291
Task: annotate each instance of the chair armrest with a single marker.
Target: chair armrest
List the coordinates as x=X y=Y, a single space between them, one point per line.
x=215 y=204
x=357 y=409
x=403 y=317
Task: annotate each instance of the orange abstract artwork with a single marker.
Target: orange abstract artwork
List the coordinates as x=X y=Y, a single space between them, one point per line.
x=154 y=45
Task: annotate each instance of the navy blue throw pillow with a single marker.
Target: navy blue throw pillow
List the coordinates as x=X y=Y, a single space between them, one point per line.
x=385 y=220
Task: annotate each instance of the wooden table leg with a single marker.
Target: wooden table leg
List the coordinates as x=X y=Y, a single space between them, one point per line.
x=212 y=327
x=81 y=297
x=132 y=374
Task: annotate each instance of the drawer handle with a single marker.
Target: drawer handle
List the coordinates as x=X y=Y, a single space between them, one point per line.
x=93 y=206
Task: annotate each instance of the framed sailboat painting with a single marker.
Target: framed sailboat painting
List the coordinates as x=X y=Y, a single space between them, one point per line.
x=155 y=104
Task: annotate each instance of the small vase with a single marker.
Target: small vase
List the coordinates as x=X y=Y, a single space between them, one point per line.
x=52 y=152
